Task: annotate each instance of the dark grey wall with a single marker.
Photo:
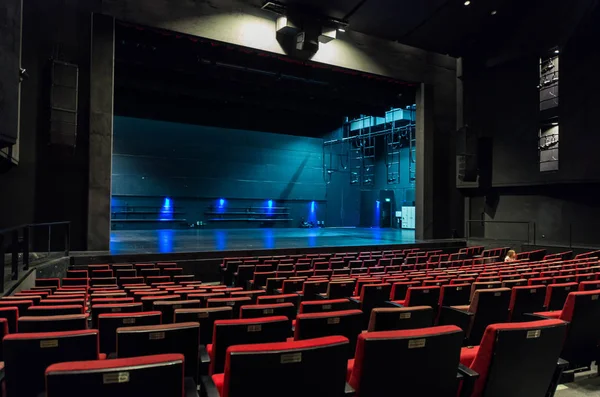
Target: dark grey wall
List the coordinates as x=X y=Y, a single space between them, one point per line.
x=10 y=53
x=50 y=183
x=196 y=165
x=502 y=103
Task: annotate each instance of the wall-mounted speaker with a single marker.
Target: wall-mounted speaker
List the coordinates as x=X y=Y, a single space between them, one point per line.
x=467 y=154
x=64 y=88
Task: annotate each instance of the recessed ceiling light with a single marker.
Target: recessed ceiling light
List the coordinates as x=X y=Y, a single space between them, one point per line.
x=557 y=51
x=341 y=29
x=468 y=2
x=494 y=12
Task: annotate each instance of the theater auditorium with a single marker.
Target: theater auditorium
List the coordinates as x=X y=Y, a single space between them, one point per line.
x=245 y=198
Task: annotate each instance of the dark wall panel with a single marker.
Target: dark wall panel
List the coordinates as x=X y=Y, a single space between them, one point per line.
x=197 y=165
x=155 y=158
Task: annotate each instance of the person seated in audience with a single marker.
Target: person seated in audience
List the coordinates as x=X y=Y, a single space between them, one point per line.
x=511 y=256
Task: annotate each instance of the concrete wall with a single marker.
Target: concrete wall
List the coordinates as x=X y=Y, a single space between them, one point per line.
x=196 y=165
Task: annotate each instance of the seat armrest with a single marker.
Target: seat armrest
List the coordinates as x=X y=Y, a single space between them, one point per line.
x=204 y=360
x=190 y=388
x=355 y=302
x=392 y=304
x=460 y=318
x=469 y=377
x=535 y=317
x=561 y=366
x=349 y=391
x=208 y=387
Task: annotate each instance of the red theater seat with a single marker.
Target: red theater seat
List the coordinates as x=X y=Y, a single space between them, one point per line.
x=228 y=333
x=11 y=314
x=400 y=318
x=167 y=308
x=148 y=376
x=525 y=299
x=113 y=308
x=582 y=312
x=206 y=317
x=517 y=359
x=385 y=361
x=27 y=356
x=315 y=367
x=182 y=338
x=108 y=324
x=348 y=323
x=556 y=295
x=69 y=322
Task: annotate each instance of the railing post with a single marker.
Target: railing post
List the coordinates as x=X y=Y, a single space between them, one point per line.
x=49 y=238
x=68 y=239
x=570 y=235
x=15 y=255
x=534 y=235
x=26 y=248
x=2 y=269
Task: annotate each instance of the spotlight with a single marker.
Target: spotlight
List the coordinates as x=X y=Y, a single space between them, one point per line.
x=468 y=3
x=557 y=51
x=554 y=124
x=494 y=12
x=341 y=30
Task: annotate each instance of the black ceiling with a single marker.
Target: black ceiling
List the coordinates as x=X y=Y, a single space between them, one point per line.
x=450 y=27
x=165 y=75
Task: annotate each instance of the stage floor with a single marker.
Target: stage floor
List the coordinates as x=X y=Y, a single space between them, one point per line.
x=195 y=240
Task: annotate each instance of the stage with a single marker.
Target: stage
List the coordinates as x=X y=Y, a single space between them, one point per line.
x=201 y=251
x=205 y=240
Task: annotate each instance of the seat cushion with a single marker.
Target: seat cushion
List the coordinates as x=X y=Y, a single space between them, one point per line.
x=461 y=307
x=219 y=380
x=553 y=314
x=400 y=302
x=467 y=355
x=349 y=369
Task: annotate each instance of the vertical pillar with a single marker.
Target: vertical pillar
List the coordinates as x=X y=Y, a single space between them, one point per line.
x=460 y=122
x=425 y=167
x=101 y=131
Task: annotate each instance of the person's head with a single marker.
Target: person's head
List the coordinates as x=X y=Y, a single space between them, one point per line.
x=512 y=254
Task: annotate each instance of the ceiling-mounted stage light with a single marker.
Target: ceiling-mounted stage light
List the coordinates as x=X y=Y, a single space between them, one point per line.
x=327 y=34
x=285 y=26
x=467 y=3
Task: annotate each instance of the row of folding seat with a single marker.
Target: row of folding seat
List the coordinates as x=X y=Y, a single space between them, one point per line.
x=319 y=367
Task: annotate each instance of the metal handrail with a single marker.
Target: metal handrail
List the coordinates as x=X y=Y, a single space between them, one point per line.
x=20 y=243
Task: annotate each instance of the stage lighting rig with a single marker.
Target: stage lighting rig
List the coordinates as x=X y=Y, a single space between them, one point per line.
x=309 y=29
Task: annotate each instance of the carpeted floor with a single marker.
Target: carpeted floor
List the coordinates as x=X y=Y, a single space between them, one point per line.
x=581 y=388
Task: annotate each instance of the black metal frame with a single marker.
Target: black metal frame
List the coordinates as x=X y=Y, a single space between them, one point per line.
x=20 y=242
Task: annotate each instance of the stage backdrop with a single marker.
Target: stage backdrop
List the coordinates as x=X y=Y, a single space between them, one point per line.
x=197 y=166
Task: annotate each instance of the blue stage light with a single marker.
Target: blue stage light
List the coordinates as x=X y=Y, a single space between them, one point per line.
x=270 y=203
x=312 y=206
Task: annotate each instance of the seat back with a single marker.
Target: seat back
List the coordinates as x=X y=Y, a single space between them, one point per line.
x=320 y=306
x=284 y=298
x=22 y=305
x=589 y=286
x=399 y=318
x=526 y=299
x=206 y=317
x=275 y=309
x=228 y=333
x=182 y=338
x=340 y=289
x=148 y=376
x=415 y=351
x=108 y=324
x=234 y=303
x=490 y=306
x=3 y=333
x=556 y=295
x=348 y=323
x=113 y=308
x=167 y=308
x=455 y=295
x=310 y=289
x=314 y=368
x=582 y=311
x=69 y=322
x=518 y=359
x=26 y=357
x=11 y=314
x=423 y=296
